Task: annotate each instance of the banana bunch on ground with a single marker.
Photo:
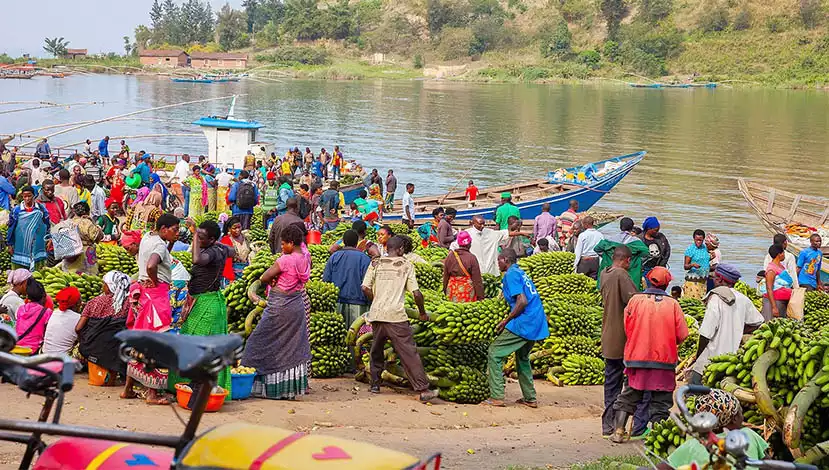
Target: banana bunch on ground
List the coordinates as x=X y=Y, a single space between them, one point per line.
x=578 y=369
x=664 y=438
x=54 y=279
x=689 y=346
x=550 y=286
x=492 y=285
x=432 y=253
x=327 y=328
x=329 y=360
x=693 y=307
x=317 y=272
x=257 y=231
x=551 y=263
x=319 y=254
x=454 y=355
x=472 y=322
x=566 y=319
x=751 y=293
x=553 y=351
x=461 y=384
x=115 y=258
x=323 y=296
x=185 y=258
x=428 y=276
x=401 y=229
x=816 y=319
x=815 y=300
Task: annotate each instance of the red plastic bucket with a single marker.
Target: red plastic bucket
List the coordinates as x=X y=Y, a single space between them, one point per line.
x=314 y=237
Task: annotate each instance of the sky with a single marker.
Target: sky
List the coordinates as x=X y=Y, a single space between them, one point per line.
x=97 y=25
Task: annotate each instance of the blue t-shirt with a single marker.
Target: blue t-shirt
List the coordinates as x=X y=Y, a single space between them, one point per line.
x=532 y=323
x=316 y=167
x=809 y=262
x=701 y=257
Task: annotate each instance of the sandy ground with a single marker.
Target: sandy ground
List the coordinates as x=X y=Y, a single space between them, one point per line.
x=564 y=430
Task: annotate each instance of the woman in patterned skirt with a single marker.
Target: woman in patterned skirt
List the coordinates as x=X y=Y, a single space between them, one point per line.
x=279 y=347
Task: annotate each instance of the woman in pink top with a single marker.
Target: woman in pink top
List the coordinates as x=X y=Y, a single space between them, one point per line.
x=33 y=316
x=279 y=348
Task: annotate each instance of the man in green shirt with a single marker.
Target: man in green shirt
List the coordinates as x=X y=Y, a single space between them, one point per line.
x=505 y=210
x=638 y=250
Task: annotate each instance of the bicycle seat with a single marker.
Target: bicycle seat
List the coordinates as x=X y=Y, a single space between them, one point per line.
x=32 y=381
x=194 y=357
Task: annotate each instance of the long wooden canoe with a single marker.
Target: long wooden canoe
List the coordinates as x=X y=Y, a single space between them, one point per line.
x=529 y=196
x=777 y=208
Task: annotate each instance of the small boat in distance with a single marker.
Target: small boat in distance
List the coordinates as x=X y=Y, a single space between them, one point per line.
x=645 y=85
x=586 y=184
x=192 y=80
x=673 y=85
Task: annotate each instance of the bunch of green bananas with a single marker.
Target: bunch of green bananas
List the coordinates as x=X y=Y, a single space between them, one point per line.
x=329 y=360
x=566 y=319
x=547 y=264
x=726 y=365
x=401 y=229
x=693 y=307
x=333 y=236
x=579 y=369
x=562 y=346
x=593 y=299
x=115 y=258
x=689 y=346
x=54 y=279
x=752 y=415
x=319 y=255
x=185 y=258
x=472 y=322
x=323 y=296
x=454 y=355
x=238 y=304
x=257 y=233
x=212 y=216
x=751 y=293
x=461 y=384
x=550 y=286
x=664 y=438
x=5 y=257
x=431 y=299
x=432 y=253
x=492 y=285
x=423 y=332
x=815 y=300
x=317 y=272
x=428 y=276
x=327 y=328
x=816 y=319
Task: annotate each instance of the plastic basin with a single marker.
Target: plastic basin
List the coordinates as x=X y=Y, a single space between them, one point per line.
x=214 y=403
x=241 y=386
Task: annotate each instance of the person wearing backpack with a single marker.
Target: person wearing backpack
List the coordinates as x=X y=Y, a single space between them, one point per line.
x=243 y=197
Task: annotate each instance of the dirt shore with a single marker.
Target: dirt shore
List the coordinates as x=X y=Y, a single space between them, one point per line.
x=563 y=431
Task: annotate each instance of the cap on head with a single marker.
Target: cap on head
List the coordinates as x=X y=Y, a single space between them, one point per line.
x=660 y=277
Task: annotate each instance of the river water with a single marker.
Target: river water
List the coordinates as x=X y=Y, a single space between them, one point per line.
x=437 y=133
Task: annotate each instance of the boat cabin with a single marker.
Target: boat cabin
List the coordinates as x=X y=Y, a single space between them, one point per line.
x=228 y=140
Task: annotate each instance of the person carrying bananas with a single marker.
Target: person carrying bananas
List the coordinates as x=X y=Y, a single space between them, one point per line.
x=525 y=324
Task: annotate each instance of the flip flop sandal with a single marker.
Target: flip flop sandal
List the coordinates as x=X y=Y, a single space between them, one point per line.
x=531 y=404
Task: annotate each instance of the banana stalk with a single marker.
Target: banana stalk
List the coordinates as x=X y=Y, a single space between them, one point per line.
x=729 y=384
x=392 y=379
x=257 y=312
x=253 y=292
x=354 y=330
x=358 y=345
x=793 y=424
x=551 y=375
x=815 y=454
x=761 y=386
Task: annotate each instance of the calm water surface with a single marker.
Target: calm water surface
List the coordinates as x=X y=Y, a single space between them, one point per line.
x=435 y=134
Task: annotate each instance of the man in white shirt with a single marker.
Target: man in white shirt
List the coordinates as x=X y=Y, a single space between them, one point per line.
x=485 y=243
x=728 y=316
x=180 y=173
x=409 y=206
x=224 y=178
x=789 y=262
x=587 y=260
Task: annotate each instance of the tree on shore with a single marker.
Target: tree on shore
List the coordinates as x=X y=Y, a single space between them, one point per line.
x=56 y=46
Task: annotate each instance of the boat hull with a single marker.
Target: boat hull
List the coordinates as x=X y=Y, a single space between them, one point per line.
x=587 y=196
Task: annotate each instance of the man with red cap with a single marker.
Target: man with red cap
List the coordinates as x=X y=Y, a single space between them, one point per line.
x=655 y=327
x=60 y=335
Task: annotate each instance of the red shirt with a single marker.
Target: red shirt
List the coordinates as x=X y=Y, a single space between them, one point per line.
x=472 y=192
x=55 y=209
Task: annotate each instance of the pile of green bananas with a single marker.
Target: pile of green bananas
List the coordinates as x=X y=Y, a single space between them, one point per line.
x=578 y=369
x=816 y=319
x=566 y=319
x=54 y=279
x=239 y=305
x=401 y=229
x=593 y=299
x=547 y=264
x=751 y=293
x=664 y=438
x=432 y=253
x=428 y=276
x=472 y=322
x=815 y=300
x=212 y=216
x=115 y=258
x=185 y=258
x=319 y=255
x=454 y=355
x=693 y=307
x=562 y=346
x=492 y=285
x=461 y=384
x=550 y=286
x=329 y=360
x=327 y=328
x=5 y=257
x=317 y=272
x=431 y=299
x=323 y=296
x=331 y=237
x=689 y=346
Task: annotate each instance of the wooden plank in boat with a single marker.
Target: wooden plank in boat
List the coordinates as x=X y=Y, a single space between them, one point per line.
x=793 y=209
x=770 y=206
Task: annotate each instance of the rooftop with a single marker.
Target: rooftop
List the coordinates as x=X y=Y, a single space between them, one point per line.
x=215 y=121
x=161 y=52
x=76 y=51
x=218 y=55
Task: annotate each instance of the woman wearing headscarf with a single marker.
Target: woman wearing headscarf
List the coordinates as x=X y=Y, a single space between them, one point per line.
x=198 y=192
x=27 y=231
x=102 y=317
x=109 y=223
x=91 y=234
x=659 y=250
x=60 y=336
x=234 y=238
x=145 y=211
x=279 y=347
x=208 y=316
x=13 y=300
x=209 y=175
x=712 y=243
x=33 y=316
x=156 y=184
x=462 y=280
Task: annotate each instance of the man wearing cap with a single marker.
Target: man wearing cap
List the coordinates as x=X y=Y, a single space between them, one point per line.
x=659 y=250
x=654 y=329
x=505 y=210
x=728 y=316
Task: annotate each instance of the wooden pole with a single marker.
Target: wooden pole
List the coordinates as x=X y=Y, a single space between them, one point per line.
x=138 y=137
x=54 y=105
x=56 y=126
x=133 y=113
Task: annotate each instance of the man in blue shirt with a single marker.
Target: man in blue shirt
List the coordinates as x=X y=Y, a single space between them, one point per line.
x=525 y=324
x=808 y=264
x=316 y=169
x=43 y=151
x=243 y=197
x=143 y=170
x=103 y=148
x=346 y=269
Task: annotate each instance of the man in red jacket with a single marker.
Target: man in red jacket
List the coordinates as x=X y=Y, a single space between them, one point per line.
x=655 y=327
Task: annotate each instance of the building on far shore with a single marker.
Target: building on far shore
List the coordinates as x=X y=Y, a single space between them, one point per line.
x=76 y=53
x=218 y=60
x=164 y=57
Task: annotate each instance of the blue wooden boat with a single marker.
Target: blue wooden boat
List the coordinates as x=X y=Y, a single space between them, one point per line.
x=704 y=85
x=192 y=80
x=586 y=184
x=676 y=85
x=645 y=85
